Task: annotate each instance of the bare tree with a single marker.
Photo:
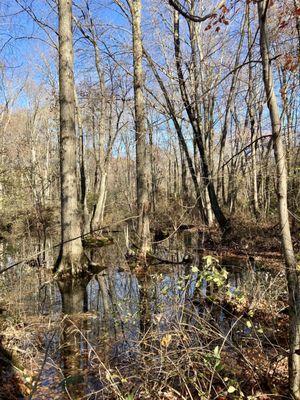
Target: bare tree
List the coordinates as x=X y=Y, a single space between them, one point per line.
x=142 y=170
x=71 y=263
x=193 y=115
x=292 y=273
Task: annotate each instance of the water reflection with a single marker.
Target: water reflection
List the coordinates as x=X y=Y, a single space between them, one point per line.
x=144 y=284
x=122 y=309
x=74 y=358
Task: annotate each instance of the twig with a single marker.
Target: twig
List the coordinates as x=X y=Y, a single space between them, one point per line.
x=244 y=148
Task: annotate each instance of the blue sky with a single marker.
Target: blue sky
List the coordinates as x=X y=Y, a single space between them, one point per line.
x=26 y=55
x=24 y=48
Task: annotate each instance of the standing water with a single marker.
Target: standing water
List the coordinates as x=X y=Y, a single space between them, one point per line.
x=145 y=335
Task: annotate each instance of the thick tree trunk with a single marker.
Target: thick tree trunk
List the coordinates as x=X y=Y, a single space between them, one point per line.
x=74 y=295
x=72 y=358
x=142 y=172
x=71 y=257
x=209 y=212
x=281 y=171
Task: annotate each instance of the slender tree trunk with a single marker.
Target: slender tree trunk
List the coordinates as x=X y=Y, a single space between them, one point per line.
x=152 y=169
x=195 y=124
x=83 y=178
x=229 y=105
x=181 y=139
x=281 y=171
x=98 y=212
x=210 y=216
x=142 y=172
x=251 y=113
x=297 y=17
x=184 y=184
x=105 y=297
x=204 y=120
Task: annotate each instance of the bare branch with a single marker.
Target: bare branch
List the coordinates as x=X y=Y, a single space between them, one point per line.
x=195 y=18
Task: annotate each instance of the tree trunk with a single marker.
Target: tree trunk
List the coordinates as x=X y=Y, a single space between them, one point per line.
x=142 y=172
x=152 y=169
x=71 y=257
x=251 y=113
x=281 y=171
x=182 y=142
x=72 y=357
x=74 y=295
x=98 y=212
x=195 y=124
x=82 y=168
x=229 y=105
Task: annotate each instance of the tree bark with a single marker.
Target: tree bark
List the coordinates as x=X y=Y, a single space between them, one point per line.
x=292 y=273
x=82 y=168
x=142 y=172
x=71 y=257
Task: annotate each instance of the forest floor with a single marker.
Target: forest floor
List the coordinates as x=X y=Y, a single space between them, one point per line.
x=248 y=239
